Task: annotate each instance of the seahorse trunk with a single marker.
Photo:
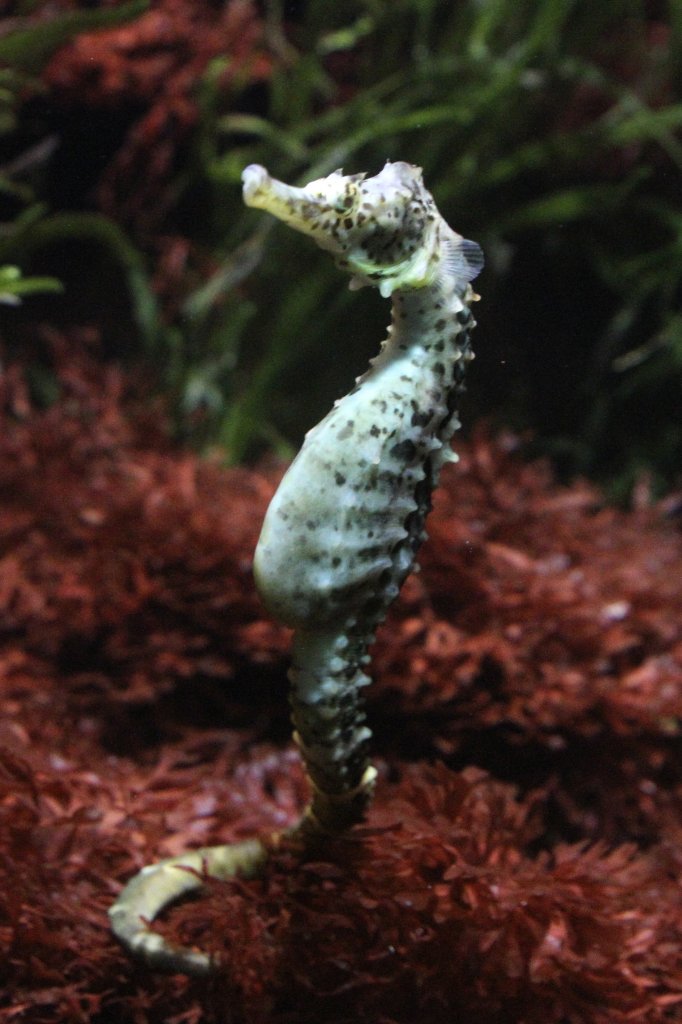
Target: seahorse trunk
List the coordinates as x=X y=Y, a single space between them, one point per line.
x=344 y=528
x=326 y=702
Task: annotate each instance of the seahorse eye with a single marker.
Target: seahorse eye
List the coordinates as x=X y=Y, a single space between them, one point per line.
x=345 y=202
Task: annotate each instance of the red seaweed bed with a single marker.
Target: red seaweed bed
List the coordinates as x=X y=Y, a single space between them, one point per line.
x=522 y=861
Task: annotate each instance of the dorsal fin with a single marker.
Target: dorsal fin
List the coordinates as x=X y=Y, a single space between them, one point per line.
x=463 y=258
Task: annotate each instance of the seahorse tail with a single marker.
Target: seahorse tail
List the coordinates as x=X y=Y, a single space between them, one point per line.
x=329 y=722
x=156 y=886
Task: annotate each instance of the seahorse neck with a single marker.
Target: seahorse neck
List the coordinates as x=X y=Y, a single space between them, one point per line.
x=420 y=316
x=426 y=322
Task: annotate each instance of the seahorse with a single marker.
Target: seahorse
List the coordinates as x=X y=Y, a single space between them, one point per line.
x=345 y=525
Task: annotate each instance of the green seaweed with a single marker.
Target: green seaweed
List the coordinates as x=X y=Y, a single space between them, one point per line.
x=549 y=130
x=24 y=50
x=13 y=286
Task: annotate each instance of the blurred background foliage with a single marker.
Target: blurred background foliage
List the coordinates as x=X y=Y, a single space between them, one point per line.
x=548 y=130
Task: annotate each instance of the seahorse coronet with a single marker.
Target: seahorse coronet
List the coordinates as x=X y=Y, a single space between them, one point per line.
x=343 y=529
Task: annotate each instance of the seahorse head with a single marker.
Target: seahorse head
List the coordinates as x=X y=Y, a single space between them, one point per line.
x=385 y=230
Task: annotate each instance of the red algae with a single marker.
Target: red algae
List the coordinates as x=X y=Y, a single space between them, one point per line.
x=521 y=861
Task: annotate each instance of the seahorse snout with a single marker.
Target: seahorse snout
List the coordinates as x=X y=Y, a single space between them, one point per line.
x=254 y=179
x=316 y=210
x=380 y=229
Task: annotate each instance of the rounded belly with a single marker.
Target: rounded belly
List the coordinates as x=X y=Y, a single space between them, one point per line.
x=328 y=550
x=334 y=543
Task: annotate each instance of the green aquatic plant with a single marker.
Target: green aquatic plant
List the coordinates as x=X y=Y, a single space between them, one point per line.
x=547 y=128
x=13 y=286
x=24 y=49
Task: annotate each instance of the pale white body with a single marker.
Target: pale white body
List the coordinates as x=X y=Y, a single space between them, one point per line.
x=342 y=531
